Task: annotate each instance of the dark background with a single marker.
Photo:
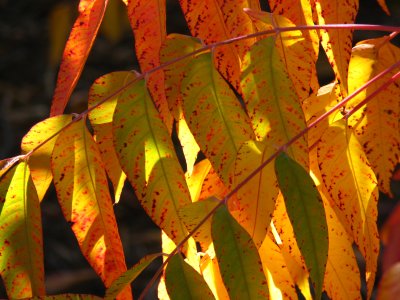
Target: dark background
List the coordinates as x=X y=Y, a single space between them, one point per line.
x=27 y=76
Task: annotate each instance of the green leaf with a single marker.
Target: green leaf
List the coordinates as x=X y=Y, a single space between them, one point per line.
x=184 y=282
x=238 y=259
x=307 y=215
x=129 y=276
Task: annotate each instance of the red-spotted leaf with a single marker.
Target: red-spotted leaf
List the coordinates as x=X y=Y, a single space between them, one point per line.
x=271 y=100
x=82 y=190
x=40 y=160
x=76 y=52
x=239 y=262
x=214 y=115
x=307 y=215
x=148 y=21
x=184 y=282
x=21 y=242
x=129 y=276
x=148 y=157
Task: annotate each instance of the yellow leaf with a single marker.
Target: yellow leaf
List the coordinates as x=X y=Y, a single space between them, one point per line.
x=352 y=186
x=210 y=271
x=196 y=179
x=376 y=125
x=40 y=160
x=21 y=242
x=82 y=190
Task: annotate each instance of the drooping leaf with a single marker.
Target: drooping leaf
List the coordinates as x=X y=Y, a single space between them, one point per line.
x=82 y=190
x=307 y=215
x=271 y=101
x=337 y=43
x=76 y=52
x=148 y=22
x=239 y=262
x=183 y=282
x=67 y=297
x=21 y=242
x=255 y=201
x=208 y=100
x=147 y=156
x=352 y=186
x=210 y=270
x=40 y=160
x=377 y=123
x=129 y=276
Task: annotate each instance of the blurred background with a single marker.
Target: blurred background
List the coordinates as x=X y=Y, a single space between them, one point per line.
x=32 y=37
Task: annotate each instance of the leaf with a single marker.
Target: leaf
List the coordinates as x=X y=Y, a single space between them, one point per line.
x=307 y=215
x=183 y=282
x=255 y=201
x=21 y=241
x=352 y=186
x=148 y=22
x=129 y=276
x=238 y=259
x=376 y=124
x=271 y=100
x=210 y=270
x=40 y=160
x=68 y=297
x=82 y=191
x=76 y=52
x=148 y=158
x=382 y=4
x=389 y=286
x=209 y=100
x=195 y=180
x=337 y=43
x=7 y=163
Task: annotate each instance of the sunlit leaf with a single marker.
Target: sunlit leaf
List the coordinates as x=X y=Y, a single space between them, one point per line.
x=183 y=282
x=21 y=242
x=40 y=160
x=82 y=190
x=76 y=52
x=352 y=186
x=271 y=100
x=67 y=297
x=376 y=124
x=255 y=201
x=147 y=156
x=208 y=100
x=210 y=270
x=126 y=278
x=239 y=262
x=337 y=43
x=307 y=215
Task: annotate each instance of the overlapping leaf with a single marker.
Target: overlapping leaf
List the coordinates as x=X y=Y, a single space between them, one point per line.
x=148 y=158
x=67 y=297
x=307 y=215
x=239 y=262
x=208 y=100
x=337 y=43
x=210 y=270
x=376 y=124
x=82 y=189
x=21 y=242
x=40 y=160
x=76 y=52
x=271 y=100
x=352 y=186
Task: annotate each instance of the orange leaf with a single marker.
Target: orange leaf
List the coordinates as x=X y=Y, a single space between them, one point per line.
x=82 y=191
x=76 y=52
x=211 y=273
x=21 y=242
x=382 y=4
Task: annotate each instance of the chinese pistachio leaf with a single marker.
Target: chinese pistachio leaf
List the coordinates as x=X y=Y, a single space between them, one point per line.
x=337 y=43
x=214 y=115
x=352 y=186
x=76 y=52
x=238 y=259
x=307 y=215
x=129 y=276
x=147 y=155
x=184 y=282
x=82 y=190
x=376 y=124
x=271 y=100
x=255 y=201
x=40 y=160
x=67 y=297
x=21 y=242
